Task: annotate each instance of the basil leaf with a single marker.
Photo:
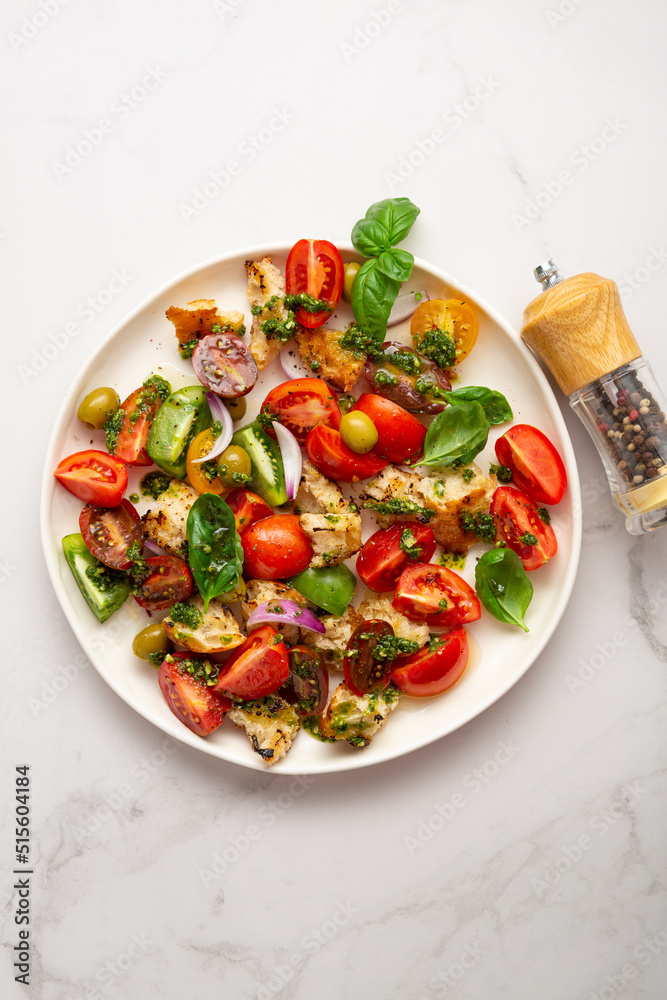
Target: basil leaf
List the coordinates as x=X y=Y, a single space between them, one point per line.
x=214 y=546
x=396 y=264
x=373 y=295
x=496 y=407
x=370 y=237
x=503 y=586
x=456 y=435
x=397 y=215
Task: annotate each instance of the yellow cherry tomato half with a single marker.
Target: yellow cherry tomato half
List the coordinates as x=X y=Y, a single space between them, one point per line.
x=198 y=473
x=450 y=316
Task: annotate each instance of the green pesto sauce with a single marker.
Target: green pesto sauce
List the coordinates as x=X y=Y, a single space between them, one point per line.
x=452 y=560
x=154 y=484
x=186 y=614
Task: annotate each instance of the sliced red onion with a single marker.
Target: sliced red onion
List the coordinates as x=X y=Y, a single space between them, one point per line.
x=290 y=613
x=152 y=547
x=290 y=452
x=219 y=412
x=291 y=362
x=405 y=305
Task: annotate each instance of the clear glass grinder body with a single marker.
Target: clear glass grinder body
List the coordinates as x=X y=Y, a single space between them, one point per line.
x=581 y=332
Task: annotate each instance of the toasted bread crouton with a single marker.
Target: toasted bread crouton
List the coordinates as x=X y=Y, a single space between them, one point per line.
x=217 y=631
x=445 y=493
x=357 y=718
x=332 y=523
x=332 y=644
x=198 y=318
x=270 y=724
x=382 y=608
x=260 y=591
x=320 y=349
x=266 y=291
x=165 y=523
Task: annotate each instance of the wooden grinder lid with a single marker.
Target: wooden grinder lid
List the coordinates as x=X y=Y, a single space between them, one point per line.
x=578 y=328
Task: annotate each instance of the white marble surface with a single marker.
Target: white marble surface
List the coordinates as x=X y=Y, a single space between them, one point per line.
x=548 y=881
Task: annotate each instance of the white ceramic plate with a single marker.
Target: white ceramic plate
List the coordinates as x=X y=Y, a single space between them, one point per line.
x=500 y=654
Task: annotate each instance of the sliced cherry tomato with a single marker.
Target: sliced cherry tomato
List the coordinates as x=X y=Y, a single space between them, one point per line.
x=276 y=547
x=434 y=668
x=536 y=466
x=406 y=369
x=139 y=409
x=300 y=405
x=109 y=531
x=363 y=673
x=170 y=580
x=387 y=553
x=223 y=363
x=436 y=595
x=199 y=480
x=197 y=706
x=519 y=523
x=329 y=453
x=247 y=508
x=315 y=267
x=307 y=687
x=400 y=434
x=256 y=668
x=451 y=316
x=94 y=477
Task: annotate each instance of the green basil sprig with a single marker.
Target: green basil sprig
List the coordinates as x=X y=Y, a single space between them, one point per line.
x=503 y=586
x=456 y=435
x=378 y=281
x=496 y=408
x=214 y=546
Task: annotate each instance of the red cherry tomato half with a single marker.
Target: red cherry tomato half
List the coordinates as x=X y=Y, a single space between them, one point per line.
x=196 y=705
x=256 y=668
x=170 y=580
x=363 y=673
x=139 y=408
x=536 y=466
x=94 y=477
x=329 y=453
x=517 y=519
x=387 y=553
x=223 y=364
x=307 y=687
x=247 y=508
x=276 y=547
x=316 y=268
x=109 y=531
x=400 y=434
x=432 y=671
x=302 y=404
x=437 y=595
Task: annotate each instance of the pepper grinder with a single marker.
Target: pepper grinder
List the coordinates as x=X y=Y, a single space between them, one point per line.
x=578 y=327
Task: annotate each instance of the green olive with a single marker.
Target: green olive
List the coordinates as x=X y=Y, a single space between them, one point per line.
x=234 y=461
x=346 y=402
x=151 y=639
x=235 y=595
x=358 y=431
x=97 y=407
x=237 y=407
x=350 y=271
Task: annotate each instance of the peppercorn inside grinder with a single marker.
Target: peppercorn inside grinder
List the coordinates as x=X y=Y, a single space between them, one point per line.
x=578 y=327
